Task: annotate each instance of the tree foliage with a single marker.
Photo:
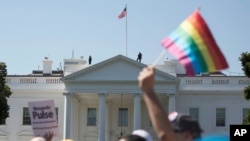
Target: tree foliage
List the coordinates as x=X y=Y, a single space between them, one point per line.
x=247 y=92
x=5 y=93
x=247 y=118
x=245 y=63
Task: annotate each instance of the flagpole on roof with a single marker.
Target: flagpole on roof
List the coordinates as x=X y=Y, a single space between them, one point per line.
x=126 y=32
x=120 y=16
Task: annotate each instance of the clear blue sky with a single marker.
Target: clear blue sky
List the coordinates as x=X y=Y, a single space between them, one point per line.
x=33 y=29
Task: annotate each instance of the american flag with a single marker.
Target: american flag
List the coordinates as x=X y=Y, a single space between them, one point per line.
x=123 y=13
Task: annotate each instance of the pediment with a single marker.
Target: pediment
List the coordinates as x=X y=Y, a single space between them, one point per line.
x=118 y=68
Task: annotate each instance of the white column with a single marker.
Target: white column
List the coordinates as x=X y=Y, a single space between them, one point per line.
x=75 y=112
x=67 y=116
x=137 y=111
x=171 y=103
x=101 y=128
x=108 y=119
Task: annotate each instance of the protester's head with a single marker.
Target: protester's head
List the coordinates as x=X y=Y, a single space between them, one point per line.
x=186 y=127
x=131 y=137
x=144 y=134
x=137 y=135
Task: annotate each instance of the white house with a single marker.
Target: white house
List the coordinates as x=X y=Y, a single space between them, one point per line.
x=102 y=101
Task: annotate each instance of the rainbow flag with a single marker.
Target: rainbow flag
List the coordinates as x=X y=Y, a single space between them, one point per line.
x=193 y=45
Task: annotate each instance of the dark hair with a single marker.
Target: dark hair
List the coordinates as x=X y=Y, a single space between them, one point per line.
x=132 y=137
x=182 y=122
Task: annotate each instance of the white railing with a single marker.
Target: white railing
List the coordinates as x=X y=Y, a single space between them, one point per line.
x=33 y=80
x=193 y=81
x=215 y=81
x=185 y=80
x=244 y=82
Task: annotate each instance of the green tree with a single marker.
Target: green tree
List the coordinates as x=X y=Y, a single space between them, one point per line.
x=5 y=93
x=245 y=63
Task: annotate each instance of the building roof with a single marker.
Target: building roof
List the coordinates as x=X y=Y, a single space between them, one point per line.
x=115 y=68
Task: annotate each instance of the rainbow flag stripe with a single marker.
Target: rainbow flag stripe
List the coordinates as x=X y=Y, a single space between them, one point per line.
x=193 y=45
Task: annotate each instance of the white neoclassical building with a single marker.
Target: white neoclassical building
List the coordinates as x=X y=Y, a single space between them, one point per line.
x=102 y=101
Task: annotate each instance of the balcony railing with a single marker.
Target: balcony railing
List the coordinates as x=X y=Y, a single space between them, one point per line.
x=184 y=81
x=33 y=80
x=215 y=80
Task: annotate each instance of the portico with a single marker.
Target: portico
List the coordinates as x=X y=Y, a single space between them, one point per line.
x=103 y=101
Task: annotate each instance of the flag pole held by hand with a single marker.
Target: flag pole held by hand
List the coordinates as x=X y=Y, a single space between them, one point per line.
x=159 y=57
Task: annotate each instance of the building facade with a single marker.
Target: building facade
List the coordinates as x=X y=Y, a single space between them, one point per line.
x=103 y=101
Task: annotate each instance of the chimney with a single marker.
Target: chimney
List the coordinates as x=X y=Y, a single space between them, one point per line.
x=47 y=66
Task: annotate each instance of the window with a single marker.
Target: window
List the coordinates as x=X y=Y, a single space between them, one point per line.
x=26 y=116
x=220 y=117
x=123 y=117
x=56 y=114
x=244 y=114
x=194 y=112
x=91 y=119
